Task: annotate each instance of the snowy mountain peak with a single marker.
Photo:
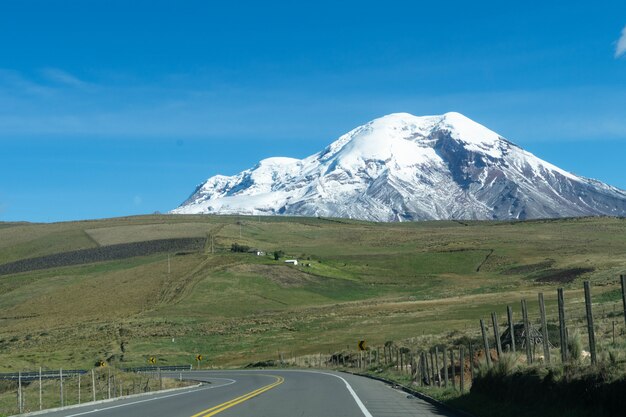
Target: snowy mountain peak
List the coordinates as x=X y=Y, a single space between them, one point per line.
x=410 y=139
x=466 y=129
x=405 y=167
x=460 y=126
x=277 y=161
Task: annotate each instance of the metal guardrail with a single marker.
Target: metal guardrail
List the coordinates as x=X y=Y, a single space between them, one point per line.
x=155 y=368
x=30 y=376
x=34 y=375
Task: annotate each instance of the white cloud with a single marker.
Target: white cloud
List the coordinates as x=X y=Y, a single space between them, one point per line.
x=620 y=49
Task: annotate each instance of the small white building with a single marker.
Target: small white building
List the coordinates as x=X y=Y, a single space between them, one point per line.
x=292 y=261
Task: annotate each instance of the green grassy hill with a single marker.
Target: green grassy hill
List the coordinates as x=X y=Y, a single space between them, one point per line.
x=355 y=280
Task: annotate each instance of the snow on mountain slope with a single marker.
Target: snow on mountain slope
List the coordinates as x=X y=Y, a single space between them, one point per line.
x=402 y=167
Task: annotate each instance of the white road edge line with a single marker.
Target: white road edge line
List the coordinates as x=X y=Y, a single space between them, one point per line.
x=358 y=401
x=156 y=397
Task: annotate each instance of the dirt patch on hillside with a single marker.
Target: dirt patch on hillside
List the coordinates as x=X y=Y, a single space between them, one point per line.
x=283 y=275
x=562 y=275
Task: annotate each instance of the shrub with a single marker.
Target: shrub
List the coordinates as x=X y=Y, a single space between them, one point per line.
x=235 y=247
x=574 y=346
x=506 y=364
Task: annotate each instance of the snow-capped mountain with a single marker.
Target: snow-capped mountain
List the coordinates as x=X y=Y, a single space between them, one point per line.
x=402 y=167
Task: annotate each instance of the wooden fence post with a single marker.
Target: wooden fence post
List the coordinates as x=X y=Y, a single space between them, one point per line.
x=592 y=336
x=79 y=388
x=437 y=364
x=544 y=329
x=496 y=333
x=407 y=362
x=613 y=331
x=471 y=361
x=453 y=366
x=398 y=359
x=462 y=360
x=509 y=315
x=93 y=385
x=40 y=391
x=20 y=399
x=527 y=338
x=623 y=281
x=485 y=342
x=61 y=377
x=425 y=373
x=445 y=367
x=562 y=331
x=432 y=368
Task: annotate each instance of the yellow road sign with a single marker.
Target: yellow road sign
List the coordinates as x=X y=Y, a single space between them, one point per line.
x=152 y=360
x=362 y=345
x=198 y=357
x=101 y=364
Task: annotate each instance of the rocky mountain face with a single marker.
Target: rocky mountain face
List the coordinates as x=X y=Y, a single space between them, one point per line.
x=402 y=167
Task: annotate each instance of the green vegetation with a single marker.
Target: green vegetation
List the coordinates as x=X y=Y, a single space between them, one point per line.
x=235 y=247
x=355 y=280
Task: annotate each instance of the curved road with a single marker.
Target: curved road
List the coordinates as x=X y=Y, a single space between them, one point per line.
x=267 y=393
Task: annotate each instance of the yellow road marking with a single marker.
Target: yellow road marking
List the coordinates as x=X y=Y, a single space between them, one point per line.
x=228 y=404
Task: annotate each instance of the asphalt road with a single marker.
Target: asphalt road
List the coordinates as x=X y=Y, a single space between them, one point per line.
x=267 y=393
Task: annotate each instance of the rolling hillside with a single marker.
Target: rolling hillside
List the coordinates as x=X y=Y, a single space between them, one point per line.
x=354 y=280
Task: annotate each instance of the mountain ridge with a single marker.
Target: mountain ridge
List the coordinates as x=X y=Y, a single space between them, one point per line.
x=402 y=167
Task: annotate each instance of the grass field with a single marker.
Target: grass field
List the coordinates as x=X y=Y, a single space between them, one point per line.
x=355 y=280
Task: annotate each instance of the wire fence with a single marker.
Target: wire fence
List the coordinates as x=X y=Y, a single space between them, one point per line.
x=46 y=389
x=543 y=331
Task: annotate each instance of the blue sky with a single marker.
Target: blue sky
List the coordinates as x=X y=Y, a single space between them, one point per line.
x=111 y=108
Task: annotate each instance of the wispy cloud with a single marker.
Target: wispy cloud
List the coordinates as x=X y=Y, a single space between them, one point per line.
x=620 y=49
x=63 y=77
x=14 y=83
x=199 y=109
